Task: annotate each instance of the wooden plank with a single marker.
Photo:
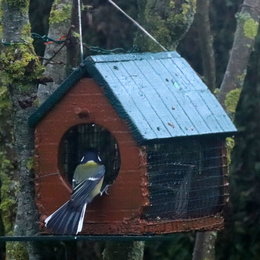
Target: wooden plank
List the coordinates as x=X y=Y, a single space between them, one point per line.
x=123 y=94
x=190 y=74
x=208 y=117
x=173 y=93
x=221 y=117
x=153 y=97
x=223 y=121
x=143 y=103
x=132 y=56
x=181 y=94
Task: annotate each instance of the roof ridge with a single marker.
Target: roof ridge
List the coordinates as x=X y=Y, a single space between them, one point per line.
x=132 y=56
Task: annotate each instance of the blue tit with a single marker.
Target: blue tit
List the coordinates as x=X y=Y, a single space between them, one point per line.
x=87 y=182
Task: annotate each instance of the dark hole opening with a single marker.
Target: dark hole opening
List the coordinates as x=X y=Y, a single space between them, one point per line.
x=78 y=139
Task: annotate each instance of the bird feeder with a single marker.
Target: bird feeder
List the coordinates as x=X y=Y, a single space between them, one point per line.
x=160 y=132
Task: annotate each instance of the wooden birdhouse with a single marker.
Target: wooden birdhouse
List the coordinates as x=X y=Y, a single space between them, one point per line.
x=160 y=132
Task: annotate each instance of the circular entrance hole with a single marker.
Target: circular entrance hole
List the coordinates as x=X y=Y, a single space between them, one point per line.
x=80 y=138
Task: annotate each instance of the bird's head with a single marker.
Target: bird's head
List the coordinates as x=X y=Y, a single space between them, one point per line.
x=91 y=157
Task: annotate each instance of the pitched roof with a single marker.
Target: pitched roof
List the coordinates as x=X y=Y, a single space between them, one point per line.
x=158 y=94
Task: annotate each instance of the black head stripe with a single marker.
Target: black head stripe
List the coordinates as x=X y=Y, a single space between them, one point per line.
x=91 y=155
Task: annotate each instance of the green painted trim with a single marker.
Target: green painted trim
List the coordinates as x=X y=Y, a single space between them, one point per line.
x=134 y=56
x=147 y=237
x=201 y=136
x=86 y=68
x=93 y=72
x=57 y=95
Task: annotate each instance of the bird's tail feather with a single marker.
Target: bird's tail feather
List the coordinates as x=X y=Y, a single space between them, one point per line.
x=80 y=225
x=67 y=219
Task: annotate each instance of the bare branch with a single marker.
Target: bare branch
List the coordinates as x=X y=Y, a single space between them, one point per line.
x=206 y=43
x=247 y=27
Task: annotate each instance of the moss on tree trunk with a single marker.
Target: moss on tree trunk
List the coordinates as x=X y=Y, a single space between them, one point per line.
x=167 y=20
x=246 y=31
x=20 y=69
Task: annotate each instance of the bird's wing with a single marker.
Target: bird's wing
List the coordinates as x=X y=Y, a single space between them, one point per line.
x=82 y=191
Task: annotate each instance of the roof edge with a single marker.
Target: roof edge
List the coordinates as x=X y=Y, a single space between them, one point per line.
x=83 y=70
x=116 y=104
x=57 y=95
x=209 y=135
x=133 y=56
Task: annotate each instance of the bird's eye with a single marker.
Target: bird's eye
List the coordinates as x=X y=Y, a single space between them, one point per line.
x=82 y=159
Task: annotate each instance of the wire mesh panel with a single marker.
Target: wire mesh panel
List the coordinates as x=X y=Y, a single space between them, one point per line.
x=79 y=139
x=185 y=179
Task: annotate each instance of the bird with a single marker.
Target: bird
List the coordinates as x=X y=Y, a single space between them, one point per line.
x=86 y=184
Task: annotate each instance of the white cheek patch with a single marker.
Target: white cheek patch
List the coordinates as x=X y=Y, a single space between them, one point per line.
x=99 y=159
x=92 y=179
x=82 y=159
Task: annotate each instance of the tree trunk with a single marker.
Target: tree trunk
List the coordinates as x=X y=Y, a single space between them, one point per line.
x=57 y=64
x=246 y=31
x=21 y=70
x=204 y=248
x=55 y=56
x=73 y=48
x=206 y=43
x=205 y=241
x=124 y=250
x=7 y=167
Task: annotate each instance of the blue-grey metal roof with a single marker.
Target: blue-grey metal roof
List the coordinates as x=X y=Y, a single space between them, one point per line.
x=158 y=94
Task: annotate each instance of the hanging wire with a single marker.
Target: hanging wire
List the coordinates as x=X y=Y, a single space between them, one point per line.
x=48 y=40
x=6 y=43
x=44 y=38
x=80 y=32
x=96 y=49
x=62 y=39
x=137 y=24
